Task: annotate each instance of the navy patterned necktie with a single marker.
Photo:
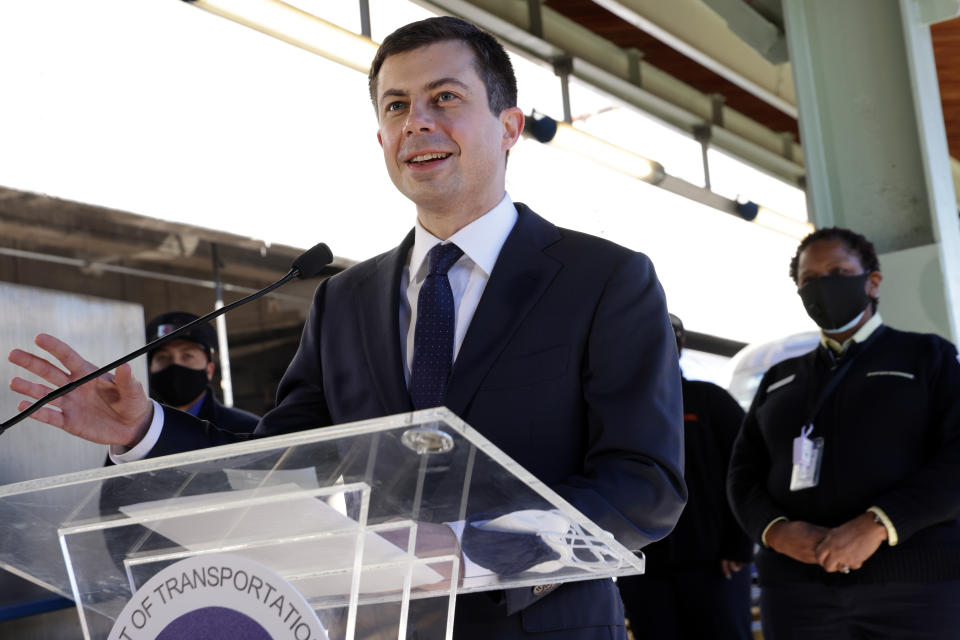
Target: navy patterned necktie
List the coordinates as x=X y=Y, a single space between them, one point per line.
x=433 y=335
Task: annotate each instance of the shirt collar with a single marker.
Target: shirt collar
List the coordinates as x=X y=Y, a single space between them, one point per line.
x=194 y=410
x=481 y=240
x=861 y=335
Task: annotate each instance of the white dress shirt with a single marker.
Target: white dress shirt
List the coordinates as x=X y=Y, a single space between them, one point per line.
x=481 y=242
x=861 y=335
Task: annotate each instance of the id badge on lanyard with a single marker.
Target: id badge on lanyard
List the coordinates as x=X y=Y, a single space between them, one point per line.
x=807 y=455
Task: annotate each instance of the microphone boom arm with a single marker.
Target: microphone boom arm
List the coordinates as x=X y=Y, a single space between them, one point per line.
x=307 y=265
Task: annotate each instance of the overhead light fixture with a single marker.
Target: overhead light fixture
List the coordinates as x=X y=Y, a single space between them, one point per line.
x=311 y=33
x=296 y=27
x=757 y=214
x=560 y=134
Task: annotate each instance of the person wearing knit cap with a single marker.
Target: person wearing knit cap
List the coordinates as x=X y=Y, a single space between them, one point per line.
x=181 y=371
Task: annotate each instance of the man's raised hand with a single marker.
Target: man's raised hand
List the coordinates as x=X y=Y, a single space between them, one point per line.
x=112 y=409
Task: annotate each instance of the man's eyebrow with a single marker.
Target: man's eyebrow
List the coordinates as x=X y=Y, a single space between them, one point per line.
x=443 y=81
x=430 y=86
x=400 y=93
x=433 y=84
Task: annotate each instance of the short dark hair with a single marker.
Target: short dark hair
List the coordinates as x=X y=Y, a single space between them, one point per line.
x=490 y=58
x=853 y=240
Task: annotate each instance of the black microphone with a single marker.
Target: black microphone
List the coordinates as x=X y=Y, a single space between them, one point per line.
x=308 y=265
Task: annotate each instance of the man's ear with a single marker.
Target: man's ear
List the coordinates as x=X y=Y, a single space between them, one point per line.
x=210 y=369
x=512 y=120
x=873 y=284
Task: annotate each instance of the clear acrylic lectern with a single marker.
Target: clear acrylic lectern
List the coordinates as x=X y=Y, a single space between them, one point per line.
x=356 y=517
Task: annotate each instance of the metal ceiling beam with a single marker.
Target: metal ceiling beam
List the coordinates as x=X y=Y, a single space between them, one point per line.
x=95 y=267
x=693 y=29
x=599 y=62
x=787 y=167
x=934 y=11
x=102 y=236
x=755 y=28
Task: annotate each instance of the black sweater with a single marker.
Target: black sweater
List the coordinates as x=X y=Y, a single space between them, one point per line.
x=706 y=531
x=891 y=435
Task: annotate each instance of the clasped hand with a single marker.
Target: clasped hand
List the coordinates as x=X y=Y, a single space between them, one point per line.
x=112 y=409
x=844 y=547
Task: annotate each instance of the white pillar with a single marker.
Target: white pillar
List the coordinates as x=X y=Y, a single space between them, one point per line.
x=875 y=147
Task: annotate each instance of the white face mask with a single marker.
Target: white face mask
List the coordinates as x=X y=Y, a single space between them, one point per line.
x=848 y=326
x=576 y=548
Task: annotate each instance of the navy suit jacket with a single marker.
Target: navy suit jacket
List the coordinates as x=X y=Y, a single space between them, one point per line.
x=569 y=366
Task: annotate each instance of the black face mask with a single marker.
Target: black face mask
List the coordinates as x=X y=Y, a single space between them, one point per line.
x=834 y=302
x=177 y=385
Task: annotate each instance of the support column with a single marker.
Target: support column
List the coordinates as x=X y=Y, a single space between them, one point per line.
x=223 y=348
x=875 y=147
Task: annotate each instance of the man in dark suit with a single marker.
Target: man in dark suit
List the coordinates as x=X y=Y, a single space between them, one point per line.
x=553 y=344
x=694 y=585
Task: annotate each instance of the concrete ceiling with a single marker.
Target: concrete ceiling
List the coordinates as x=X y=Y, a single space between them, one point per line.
x=101 y=237
x=60 y=244
x=673 y=37
x=704 y=43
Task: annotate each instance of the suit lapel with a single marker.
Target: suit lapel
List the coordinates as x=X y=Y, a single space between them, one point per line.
x=521 y=275
x=379 y=297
